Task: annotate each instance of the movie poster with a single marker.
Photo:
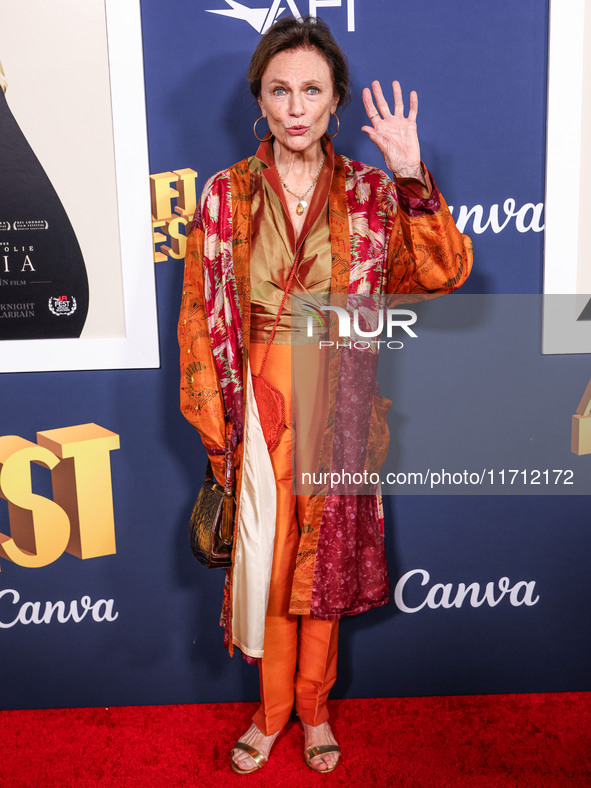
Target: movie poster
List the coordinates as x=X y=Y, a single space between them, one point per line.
x=567 y=253
x=44 y=286
x=62 y=238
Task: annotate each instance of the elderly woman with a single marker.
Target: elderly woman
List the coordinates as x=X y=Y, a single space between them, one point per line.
x=297 y=218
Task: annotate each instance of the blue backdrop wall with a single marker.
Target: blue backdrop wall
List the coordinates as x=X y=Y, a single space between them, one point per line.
x=480 y=71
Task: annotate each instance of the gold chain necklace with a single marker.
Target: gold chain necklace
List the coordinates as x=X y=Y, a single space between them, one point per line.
x=302 y=205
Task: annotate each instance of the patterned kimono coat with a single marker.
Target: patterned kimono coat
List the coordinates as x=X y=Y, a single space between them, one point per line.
x=381 y=242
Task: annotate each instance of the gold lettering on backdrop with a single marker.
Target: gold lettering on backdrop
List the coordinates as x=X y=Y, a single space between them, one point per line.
x=82 y=485
x=162 y=194
x=187 y=199
x=581 y=425
x=39 y=527
x=158 y=238
x=178 y=241
x=174 y=199
x=80 y=519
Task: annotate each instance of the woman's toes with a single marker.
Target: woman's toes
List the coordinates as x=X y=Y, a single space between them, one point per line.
x=316 y=736
x=320 y=763
x=258 y=741
x=326 y=761
x=242 y=759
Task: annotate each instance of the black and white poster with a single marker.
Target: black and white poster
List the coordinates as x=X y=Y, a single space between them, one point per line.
x=75 y=240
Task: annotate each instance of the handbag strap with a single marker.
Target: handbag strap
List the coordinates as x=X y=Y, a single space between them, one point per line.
x=281 y=305
x=228 y=470
x=227 y=525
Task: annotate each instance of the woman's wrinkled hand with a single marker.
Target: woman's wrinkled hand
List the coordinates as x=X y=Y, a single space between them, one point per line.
x=395 y=135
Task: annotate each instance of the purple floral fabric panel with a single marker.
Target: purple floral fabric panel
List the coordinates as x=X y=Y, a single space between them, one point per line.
x=351 y=574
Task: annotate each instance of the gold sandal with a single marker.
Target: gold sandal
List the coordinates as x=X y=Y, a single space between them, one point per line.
x=321 y=749
x=256 y=756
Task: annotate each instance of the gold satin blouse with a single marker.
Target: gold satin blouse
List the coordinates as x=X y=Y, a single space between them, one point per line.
x=274 y=245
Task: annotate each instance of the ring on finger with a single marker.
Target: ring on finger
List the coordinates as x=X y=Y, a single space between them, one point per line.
x=377 y=115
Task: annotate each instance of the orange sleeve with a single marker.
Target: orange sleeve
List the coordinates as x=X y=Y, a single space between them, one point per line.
x=427 y=253
x=201 y=394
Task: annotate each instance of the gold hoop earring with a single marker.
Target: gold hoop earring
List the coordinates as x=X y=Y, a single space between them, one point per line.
x=338 y=126
x=254 y=129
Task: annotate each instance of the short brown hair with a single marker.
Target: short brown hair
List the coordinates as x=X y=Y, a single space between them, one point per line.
x=306 y=33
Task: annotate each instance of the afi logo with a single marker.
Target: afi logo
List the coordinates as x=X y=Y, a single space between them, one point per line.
x=262 y=18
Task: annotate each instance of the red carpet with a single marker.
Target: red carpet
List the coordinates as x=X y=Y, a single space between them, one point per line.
x=494 y=740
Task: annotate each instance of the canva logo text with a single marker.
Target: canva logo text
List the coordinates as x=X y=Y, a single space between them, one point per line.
x=13 y=613
x=527 y=217
x=448 y=595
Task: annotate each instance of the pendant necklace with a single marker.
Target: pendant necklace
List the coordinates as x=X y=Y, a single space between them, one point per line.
x=302 y=205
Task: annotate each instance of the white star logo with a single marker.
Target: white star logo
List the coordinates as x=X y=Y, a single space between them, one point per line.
x=259 y=18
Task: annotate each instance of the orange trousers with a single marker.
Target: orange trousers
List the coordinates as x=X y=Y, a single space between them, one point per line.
x=300 y=652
